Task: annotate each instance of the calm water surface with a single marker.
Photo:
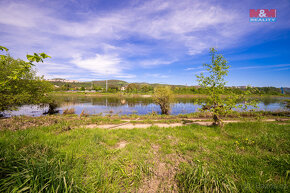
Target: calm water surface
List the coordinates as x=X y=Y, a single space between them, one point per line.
x=127 y=106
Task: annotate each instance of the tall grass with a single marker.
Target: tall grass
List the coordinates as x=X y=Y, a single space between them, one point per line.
x=35 y=169
x=199 y=178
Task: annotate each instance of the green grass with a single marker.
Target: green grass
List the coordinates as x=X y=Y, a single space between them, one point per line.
x=199 y=178
x=242 y=157
x=35 y=168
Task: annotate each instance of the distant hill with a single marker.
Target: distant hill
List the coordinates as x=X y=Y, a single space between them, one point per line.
x=102 y=83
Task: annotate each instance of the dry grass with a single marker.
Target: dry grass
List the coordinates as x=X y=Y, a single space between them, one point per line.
x=84 y=114
x=69 y=111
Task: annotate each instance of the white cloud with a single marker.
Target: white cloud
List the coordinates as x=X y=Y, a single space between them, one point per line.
x=19 y=15
x=56 y=70
x=194 y=68
x=126 y=76
x=176 y=25
x=155 y=62
x=50 y=67
x=101 y=43
x=100 y=64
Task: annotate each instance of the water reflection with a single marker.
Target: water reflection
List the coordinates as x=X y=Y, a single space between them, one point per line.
x=137 y=105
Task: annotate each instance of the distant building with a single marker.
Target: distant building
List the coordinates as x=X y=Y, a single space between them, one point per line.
x=123 y=88
x=242 y=87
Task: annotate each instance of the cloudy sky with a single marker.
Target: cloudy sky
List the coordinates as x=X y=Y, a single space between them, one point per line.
x=161 y=41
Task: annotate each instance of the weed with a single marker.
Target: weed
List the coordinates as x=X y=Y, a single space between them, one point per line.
x=84 y=114
x=69 y=111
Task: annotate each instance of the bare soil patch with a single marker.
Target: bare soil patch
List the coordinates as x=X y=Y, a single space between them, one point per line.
x=121 y=144
x=131 y=125
x=163 y=179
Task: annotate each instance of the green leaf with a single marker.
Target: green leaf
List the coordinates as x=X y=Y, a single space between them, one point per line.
x=43 y=55
x=37 y=57
x=30 y=57
x=2 y=48
x=3 y=57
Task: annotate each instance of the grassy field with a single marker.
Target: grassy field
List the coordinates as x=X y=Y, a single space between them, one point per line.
x=53 y=154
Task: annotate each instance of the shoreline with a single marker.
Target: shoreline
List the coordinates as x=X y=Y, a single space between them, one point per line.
x=132 y=95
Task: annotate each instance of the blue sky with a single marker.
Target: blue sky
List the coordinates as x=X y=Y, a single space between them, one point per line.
x=153 y=41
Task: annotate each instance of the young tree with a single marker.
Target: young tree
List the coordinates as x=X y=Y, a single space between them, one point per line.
x=145 y=88
x=132 y=88
x=19 y=83
x=214 y=84
x=163 y=96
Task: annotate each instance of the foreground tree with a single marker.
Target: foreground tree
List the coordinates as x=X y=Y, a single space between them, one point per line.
x=18 y=81
x=163 y=96
x=214 y=82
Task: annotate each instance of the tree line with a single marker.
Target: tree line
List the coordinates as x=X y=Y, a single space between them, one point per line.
x=149 y=88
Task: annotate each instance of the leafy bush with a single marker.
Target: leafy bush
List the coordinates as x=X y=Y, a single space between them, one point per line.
x=163 y=96
x=19 y=83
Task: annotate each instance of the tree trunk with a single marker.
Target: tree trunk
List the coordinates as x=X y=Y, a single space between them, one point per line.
x=216 y=120
x=164 y=109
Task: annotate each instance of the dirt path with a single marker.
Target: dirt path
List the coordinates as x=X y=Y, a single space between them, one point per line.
x=121 y=144
x=129 y=125
x=132 y=126
x=163 y=179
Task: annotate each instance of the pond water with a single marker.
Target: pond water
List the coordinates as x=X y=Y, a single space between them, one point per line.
x=127 y=106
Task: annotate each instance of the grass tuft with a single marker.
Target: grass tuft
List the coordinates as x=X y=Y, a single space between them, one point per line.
x=69 y=111
x=35 y=169
x=199 y=178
